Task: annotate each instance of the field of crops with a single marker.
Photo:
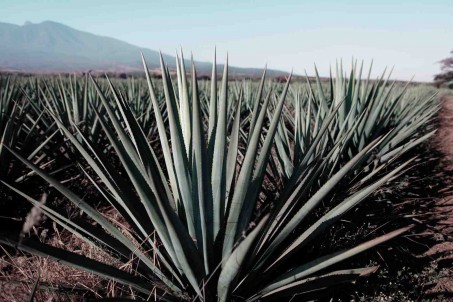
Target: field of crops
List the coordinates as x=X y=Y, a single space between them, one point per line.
x=222 y=190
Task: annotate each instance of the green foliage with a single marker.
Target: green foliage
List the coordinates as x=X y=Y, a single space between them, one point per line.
x=203 y=187
x=445 y=78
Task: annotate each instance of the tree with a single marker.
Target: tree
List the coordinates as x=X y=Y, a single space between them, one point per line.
x=446 y=76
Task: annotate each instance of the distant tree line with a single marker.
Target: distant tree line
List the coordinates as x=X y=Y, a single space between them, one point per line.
x=445 y=78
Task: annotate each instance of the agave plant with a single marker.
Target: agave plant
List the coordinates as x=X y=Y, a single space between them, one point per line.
x=200 y=190
x=6 y=110
x=28 y=126
x=366 y=109
x=23 y=125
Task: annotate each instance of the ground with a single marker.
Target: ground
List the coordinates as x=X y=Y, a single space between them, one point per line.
x=443 y=252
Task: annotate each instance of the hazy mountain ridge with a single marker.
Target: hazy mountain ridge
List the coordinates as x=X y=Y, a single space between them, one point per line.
x=53 y=47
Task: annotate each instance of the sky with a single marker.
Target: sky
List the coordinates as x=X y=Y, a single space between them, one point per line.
x=410 y=35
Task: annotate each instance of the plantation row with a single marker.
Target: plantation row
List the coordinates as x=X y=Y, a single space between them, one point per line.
x=229 y=190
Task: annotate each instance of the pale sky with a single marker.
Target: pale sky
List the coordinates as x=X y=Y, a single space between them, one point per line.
x=410 y=35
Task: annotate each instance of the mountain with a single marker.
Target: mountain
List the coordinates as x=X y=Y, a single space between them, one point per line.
x=54 y=47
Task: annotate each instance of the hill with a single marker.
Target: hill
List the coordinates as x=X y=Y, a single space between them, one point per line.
x=53 y=47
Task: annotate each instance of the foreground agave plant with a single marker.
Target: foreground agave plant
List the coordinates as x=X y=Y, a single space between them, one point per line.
x=200 y=191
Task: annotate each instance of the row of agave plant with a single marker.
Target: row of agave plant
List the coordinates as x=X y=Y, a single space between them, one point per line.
x=192 y=170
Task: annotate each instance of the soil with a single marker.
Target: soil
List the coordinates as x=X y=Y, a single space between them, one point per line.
x=442 y=253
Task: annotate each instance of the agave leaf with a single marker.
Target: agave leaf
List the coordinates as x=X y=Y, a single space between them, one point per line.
x=96 y=217
x=31 y=298
x=143 y=149
x=243 y=183
x=406 y=147
x=321 y=95
x=234 y=262
x=256 y=104
x=200 y=180
x=82 y=263
x=184 y=110
x=180 y=158
x=231 y=164
x=320 y=282
x=336 y=213
x=218 y=179
x=179 y=244
x=329 y=260
x=42 y=145
x=213 y=99
x=72 y=226
x=163 y=137
x=114 y=183
x=126 y=140
x=258 y=176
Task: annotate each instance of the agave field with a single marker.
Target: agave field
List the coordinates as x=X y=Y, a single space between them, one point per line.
x=227 y=190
